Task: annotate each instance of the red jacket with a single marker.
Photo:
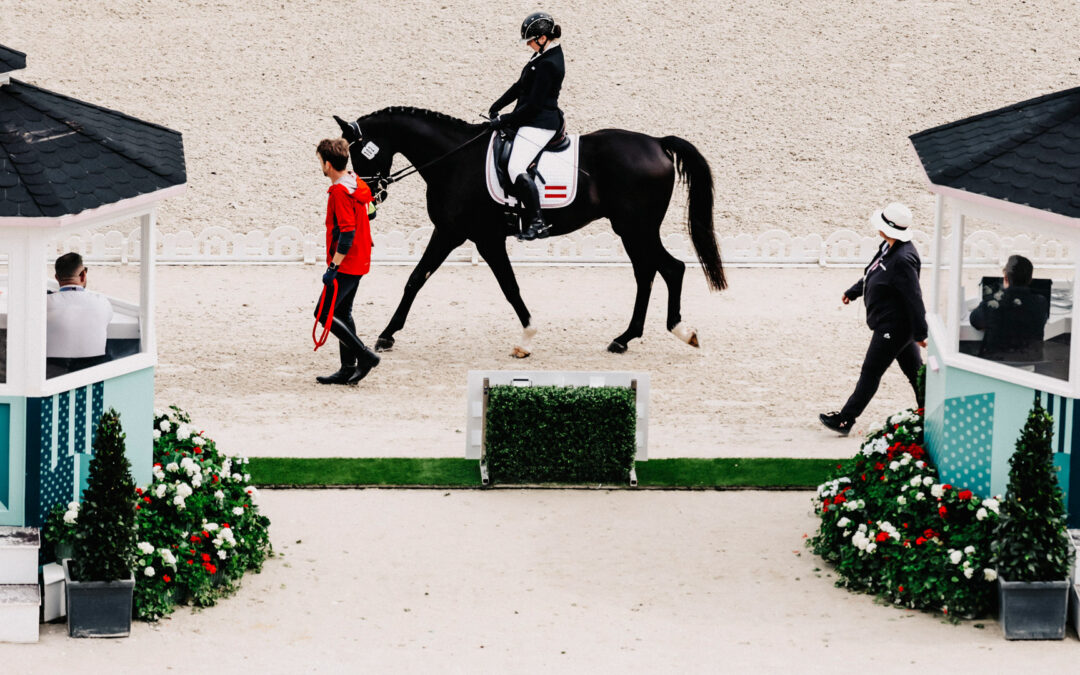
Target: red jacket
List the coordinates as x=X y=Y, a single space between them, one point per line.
x=346 y=211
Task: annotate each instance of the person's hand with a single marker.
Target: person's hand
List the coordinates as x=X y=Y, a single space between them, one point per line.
x=330 y=274
x=497 y=122
x=845 y=299
x=921 y=343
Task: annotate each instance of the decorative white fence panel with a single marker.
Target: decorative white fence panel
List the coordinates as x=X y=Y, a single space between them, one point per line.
x=774 y=248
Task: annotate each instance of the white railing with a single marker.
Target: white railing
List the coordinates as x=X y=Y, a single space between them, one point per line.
x=774 y=248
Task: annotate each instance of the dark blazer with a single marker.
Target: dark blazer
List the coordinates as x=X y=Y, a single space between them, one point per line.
x=1013 y=324
x=890 y=288
x=537 y=93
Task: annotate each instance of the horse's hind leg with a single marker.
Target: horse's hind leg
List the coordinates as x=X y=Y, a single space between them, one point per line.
x=644 y=261
x=438 y=248
x=672 y=270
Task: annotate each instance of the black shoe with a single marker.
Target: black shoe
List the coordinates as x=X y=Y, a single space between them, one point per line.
x=343 y=376
x=536 y=229
x=360 y=372
x=838 y=422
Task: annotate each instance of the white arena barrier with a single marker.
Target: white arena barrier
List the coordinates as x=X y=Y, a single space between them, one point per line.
x=773 y=248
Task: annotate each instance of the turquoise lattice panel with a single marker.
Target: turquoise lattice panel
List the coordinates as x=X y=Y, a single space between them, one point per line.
x=967 y=440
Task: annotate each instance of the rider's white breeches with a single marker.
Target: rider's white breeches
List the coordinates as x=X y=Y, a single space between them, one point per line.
x=527 y=145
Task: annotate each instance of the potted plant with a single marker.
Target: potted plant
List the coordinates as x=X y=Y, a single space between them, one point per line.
x=58 y=533
x=99 y=577
x=1032 y=549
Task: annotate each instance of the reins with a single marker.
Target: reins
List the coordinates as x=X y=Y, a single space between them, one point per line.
x=321 y=339
x=407 y=171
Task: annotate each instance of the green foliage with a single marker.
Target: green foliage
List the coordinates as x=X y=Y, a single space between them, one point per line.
x=199 y=526
x=60 y=528
x=560 y=434
x=1031 y=542
x=734 y=472
x=891 y=528
x=105 y=534
x=426 y=471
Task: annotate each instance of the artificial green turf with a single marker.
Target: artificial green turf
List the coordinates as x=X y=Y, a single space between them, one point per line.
x=758 y=472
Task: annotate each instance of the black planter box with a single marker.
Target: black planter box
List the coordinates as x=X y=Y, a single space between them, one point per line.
x=1033 y=610
x=98 y=608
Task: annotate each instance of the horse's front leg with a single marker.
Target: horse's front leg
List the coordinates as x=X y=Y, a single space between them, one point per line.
x=494 y=252
x=439 y=247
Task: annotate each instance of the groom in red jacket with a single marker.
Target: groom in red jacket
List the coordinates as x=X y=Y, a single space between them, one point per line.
x=348 y=258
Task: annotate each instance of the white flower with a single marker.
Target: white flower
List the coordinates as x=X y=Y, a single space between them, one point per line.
x=70 y=516
x=165 y=426
x=157 y=434
x=158 y=412
x=179 y=502
x=149 y=571
x=146 y=547
x=871 y=547
x=928 y=481
x=862 y=527
x=226 y=467
x=843 y=522
x=222 y=554
x=969 y=550
x=894 y=465
x=916 y=481
x=937 y=491
x=920 y=496
x=219 y=495
x=210 y=527
x=989 y=574
x=198 y=440
x=73 y=506
x=251 y=491
x=238 y=511
x=968 y=572
x=920 y=464
x=878 y=446
x=167 y=557
x=905 y=460
x=237 y=477
x=247 y=477
x=183 y=432
x=196 y=480
x=160 y=490
x=901 y=500
x=956 y=556
x=183 y=490
x=981 y=514
x=172 y=466
x=991 y=504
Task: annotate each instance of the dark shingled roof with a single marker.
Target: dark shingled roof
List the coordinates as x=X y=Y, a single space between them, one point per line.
x=1027 y=153
x=11 y=59
x=61 y=156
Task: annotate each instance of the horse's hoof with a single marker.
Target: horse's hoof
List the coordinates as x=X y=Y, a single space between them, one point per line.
x=384 y=344
x=686 y=334
x=520 y=353
x=693 y=341
x=616 y=347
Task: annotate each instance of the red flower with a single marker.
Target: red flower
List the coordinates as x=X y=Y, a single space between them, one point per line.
x=138 y=491
x=946 y=486
x=839 y=467
x=864 y=476
x=839 y=499
x=215 y=479
x=157 y=465
x=824 y=508
x=882 y=536
x=191 y=562
x=883 y=478
x=146 y=499
x=826 y=501
x=206 y=534
x=206 y=557
x=905 y=525
x=942 y=511
x=224 y=524
x=198 y=451
x=137 y=507
x=879 y=466
x=965 y=494
x=209 y=568
x=929 y=533
x=195 y=538
x=166 y=578
x=920 y=541
x=900 y=589
x=192 y=551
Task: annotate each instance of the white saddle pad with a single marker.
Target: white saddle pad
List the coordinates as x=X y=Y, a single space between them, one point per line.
x=559 y=170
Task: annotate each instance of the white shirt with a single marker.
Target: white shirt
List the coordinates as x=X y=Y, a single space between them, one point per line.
x=76 y=322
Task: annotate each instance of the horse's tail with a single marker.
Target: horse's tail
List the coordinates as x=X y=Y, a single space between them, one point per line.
x=694 y=169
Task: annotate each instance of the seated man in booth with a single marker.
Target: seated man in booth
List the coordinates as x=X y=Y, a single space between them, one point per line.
x=76 y=320
x=1014 y=317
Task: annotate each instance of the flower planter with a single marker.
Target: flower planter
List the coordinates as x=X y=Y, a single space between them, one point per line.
x=98 y=608
x=1033 y=610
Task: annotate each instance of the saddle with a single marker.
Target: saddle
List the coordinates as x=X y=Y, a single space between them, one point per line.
x=554 y=168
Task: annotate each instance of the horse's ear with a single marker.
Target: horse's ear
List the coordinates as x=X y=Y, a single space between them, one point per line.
x=342 y=123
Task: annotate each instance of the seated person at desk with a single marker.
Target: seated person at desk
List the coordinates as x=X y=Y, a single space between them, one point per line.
x=76 y=320
x=1013 y=318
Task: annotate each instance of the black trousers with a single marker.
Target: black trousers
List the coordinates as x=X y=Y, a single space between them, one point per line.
x=886 y=345
x=346 y=294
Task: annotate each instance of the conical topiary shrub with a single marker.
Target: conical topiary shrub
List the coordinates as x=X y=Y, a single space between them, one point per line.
x=1032 y=550
x=1031 y=543
x=105 y=542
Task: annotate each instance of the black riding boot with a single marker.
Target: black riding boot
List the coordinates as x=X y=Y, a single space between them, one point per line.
x=353 y=350
x=529 y=197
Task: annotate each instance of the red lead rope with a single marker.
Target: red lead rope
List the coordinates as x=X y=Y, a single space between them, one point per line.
x=321 y=340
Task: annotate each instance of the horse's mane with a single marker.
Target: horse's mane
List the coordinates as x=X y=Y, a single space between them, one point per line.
x=419 y=112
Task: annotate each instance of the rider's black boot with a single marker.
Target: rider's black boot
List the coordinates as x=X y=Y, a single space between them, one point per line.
x=529 y=197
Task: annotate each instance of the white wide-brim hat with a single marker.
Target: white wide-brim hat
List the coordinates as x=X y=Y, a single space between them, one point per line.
x=894 y=221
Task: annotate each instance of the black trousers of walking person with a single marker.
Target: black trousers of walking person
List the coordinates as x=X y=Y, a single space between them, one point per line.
x=343 y=327
x=886 y=345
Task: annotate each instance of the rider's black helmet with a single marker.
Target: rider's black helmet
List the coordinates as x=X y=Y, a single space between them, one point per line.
x=538 y=24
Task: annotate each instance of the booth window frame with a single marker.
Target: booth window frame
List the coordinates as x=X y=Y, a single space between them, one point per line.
x=945 y=330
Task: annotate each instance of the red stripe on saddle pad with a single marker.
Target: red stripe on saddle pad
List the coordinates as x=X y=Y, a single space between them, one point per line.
x=554 y=187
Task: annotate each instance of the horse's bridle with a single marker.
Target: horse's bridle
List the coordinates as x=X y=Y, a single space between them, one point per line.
x=384 y=182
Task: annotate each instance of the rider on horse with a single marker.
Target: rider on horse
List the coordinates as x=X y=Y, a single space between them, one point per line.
x=536 y=116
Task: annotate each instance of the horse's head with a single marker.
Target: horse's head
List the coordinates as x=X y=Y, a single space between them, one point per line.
x=371 y=160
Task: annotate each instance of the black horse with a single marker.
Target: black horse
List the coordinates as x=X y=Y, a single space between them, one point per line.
x=626 y=177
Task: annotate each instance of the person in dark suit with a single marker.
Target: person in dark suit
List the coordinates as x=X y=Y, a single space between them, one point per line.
x=536 y=117
x=894 y=311
x=1013 y=319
